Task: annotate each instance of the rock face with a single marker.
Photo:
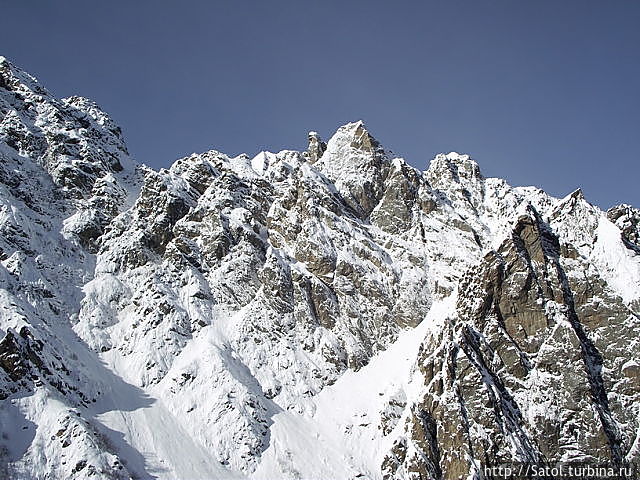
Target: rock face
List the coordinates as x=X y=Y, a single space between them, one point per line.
x=266 y=317
x=530 y=369
x=627 y=219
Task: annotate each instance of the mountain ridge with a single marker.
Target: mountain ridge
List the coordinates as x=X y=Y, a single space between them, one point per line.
x=215 y=319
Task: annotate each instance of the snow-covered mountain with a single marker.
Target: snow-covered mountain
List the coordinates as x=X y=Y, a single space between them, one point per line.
x=328 y=314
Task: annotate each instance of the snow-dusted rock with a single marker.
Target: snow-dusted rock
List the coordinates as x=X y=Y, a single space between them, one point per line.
x=334 y=313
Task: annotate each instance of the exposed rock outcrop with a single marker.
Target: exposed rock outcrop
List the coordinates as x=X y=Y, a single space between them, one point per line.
x=527 y=371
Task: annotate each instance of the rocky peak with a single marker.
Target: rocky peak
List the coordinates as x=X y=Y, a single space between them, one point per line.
x=80 y=148
x=459 y=168
x=627 y=219
x=361 y=139
x=459 y=178
x=355 y=139
x=574 y=201
x=577 y=194
x=316 y=147
x=575 y=221
x=72 y=138
x=13 y=78
x=358 y=165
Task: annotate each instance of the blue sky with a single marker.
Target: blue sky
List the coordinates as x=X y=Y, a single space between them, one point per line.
x=538 y=92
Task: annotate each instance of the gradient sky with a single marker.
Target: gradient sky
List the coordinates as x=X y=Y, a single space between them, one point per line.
x=538 y=92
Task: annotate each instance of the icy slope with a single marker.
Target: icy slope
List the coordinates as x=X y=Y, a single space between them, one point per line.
x=334 y=313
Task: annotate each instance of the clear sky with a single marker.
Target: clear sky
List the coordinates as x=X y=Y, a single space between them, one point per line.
x=538 y=92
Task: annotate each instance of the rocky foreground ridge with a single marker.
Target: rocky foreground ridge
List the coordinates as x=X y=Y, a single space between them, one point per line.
x=334 y=313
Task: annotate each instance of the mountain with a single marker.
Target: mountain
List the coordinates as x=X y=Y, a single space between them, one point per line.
x=334 y=313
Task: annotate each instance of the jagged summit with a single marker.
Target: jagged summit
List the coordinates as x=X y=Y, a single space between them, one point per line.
x=358 y=166
x=455 y=166
x=266 y=317
x=14 y=77
x=355 y=136
x=575 y=197
x=627 y=218
x=80 y=147
x=55 y=131
x=316 y=147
